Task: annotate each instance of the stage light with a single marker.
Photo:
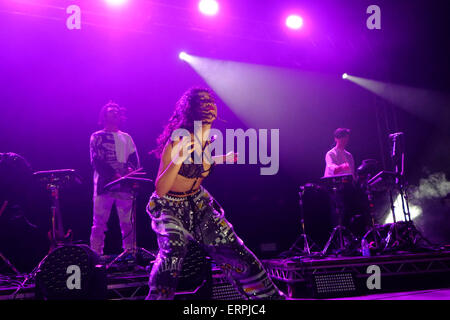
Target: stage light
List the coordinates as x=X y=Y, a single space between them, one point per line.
x=208 y=7
x=344 y=76
x=183 y=56
x=336 y=284
x=294 y=22
x=71 y=272
x=414 y=211
x=116 y=2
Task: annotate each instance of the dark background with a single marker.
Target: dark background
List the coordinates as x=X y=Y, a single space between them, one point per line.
x=54 y=81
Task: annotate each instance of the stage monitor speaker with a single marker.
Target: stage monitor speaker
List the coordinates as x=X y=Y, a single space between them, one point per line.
x=332 y=285
x=200 y=279
x=222 y=289
x=71 y=272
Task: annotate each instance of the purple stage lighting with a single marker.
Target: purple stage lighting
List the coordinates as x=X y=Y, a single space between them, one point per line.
x=208 y=7
x=344 y=76
x=116 y=2
x=183 y=56
x=294 y=22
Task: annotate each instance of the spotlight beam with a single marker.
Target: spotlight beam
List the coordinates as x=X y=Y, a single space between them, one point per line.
x=208 y=7
x=185 y=57
x=294 y=22
x=182 y=55
x=429 y=105
x=116 y=2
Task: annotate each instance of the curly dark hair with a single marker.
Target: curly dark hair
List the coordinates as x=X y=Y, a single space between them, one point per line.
x=102 y=113
x=187 y=110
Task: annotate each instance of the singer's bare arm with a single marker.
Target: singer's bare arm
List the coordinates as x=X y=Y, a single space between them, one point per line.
x=170 y=164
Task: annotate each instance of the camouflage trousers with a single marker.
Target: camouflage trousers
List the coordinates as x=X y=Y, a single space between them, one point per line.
x=200 y=218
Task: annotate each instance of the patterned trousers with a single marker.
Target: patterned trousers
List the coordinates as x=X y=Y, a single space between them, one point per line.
x=102 y=210
x=200 y=218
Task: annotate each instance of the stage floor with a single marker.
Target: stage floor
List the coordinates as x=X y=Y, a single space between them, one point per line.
x=406 y=276
x=399 y=275
x=434 y=294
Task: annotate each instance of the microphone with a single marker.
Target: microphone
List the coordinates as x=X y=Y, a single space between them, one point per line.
x=395 y=135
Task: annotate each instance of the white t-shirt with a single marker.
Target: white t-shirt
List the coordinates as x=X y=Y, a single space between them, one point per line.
x=113 y=148
x=335 y=157
x=124 y=146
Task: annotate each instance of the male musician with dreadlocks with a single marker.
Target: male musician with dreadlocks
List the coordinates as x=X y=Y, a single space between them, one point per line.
x=113 y=154
x=182 y=210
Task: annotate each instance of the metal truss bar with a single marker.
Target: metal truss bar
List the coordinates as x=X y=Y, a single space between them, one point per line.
x=409 y=266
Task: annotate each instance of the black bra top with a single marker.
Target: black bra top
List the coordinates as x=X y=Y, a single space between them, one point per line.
x=193 y=170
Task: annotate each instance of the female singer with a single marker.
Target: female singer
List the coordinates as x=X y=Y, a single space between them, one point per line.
x=182 y=210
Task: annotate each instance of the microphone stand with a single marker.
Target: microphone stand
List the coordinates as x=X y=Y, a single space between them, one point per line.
x=135 y=251
x=411 y=236
x=308 y=243
x=392 y=238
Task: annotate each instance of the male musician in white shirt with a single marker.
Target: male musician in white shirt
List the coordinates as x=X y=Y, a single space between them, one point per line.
x=338 y=160
x=113 y=154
